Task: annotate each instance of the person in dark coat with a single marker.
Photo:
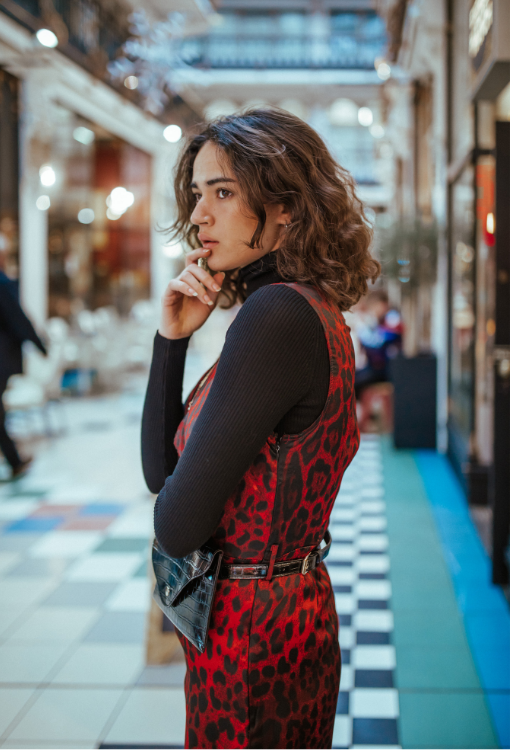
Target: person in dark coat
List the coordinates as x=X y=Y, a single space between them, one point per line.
x=15 y=328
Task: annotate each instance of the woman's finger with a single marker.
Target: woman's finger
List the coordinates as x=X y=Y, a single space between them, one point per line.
x=193 y=283
x=178 y=286
x=207 y=280
x=194 y=255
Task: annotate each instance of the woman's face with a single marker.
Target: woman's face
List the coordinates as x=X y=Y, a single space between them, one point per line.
x=226 y=224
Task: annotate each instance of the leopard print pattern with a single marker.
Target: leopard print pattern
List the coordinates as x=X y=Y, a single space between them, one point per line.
x=269 y=676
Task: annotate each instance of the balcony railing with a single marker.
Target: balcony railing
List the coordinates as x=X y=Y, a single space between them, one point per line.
x=335 y=51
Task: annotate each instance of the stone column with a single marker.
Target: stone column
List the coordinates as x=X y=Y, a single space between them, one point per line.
x=34 y=129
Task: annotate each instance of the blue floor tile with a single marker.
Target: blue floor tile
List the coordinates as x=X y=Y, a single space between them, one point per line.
x=480 y=598
x=44 y=523
x=486 y=628
x=374 y=732
x=364 y=638
x=485 y=611
x=493 y=667
x=342 y=706
x=373 y=678
x=500 y=708
x=372 y=604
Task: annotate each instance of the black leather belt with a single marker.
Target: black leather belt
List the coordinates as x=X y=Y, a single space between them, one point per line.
x=276 y=569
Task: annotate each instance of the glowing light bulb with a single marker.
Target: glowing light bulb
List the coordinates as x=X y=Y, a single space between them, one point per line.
x=490 y=224
x=47 y=38
x=43 y=202
x=365 y=116
x=131 y=82
x=172 y=133
x=84 y=135
x=118 y=202
x=47 y=175
x=383 y=71
x=377 y=131
x=86 y=216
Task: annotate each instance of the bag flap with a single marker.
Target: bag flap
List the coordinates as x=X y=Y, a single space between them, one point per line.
x=173 y=574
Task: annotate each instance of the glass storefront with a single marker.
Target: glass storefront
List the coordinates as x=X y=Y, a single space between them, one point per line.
x=485 y=309
x=96 y=189
x=9 y=176
x=462 y=333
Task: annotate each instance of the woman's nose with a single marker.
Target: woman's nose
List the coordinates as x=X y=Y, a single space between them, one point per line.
x=200 y=213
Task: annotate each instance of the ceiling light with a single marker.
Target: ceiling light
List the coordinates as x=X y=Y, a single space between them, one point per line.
x=47 y=175
x=47 y=38
x=172 y=133
x=131 y=82
x=112 y=215
x=118 y=202
x=365 y=116
x=43 y=202
x=343 y=112
x=86 y=216
x=84 y=135
x=383 y=71
x=377 y=131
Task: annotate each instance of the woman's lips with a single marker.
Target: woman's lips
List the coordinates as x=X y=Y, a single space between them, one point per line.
x=209 y=244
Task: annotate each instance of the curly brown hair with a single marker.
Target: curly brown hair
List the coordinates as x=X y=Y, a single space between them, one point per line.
x=279 y=159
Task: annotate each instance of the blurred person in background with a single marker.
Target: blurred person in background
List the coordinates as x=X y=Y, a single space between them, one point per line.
x=252 y=463
x=15 y=328
x=379 y=332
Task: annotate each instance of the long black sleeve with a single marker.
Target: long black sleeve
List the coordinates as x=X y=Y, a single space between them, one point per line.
x=163 y=410
x=273 y=374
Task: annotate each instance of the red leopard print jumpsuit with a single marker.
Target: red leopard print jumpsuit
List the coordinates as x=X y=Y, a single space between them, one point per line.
x=270 y=674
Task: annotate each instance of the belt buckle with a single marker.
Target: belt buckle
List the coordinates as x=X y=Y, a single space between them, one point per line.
x=306 y=565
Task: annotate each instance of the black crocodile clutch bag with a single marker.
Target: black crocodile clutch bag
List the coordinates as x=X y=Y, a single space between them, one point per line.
x=185 y=589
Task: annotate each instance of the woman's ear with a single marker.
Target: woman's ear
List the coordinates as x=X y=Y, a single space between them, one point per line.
x=283 y=216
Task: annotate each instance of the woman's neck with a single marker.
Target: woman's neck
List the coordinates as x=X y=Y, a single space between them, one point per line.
x=259 y=273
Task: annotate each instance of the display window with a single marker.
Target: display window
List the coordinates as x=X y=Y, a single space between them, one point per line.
x=96 y=190
x=9 y=172
x=462 y=317
x=485 y=308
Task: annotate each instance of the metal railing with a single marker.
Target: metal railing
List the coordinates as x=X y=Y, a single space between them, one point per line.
x=335 y=51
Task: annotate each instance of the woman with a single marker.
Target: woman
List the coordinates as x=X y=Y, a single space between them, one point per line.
x=253 y=462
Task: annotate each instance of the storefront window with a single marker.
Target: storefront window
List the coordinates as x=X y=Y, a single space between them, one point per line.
x=9 y=178
x=485 y=307
x=462 y=316
x=98 y=190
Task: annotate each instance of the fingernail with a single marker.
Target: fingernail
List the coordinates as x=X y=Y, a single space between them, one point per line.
x=195 y=294
x=216 y=287
x=210 y=302
x=206 y=298
x=191 y=290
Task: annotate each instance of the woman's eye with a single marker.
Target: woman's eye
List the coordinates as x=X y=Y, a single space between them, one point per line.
x=224 y=193
x=197 y=197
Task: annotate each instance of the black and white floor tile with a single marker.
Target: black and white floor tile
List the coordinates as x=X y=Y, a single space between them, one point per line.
x=358 y=566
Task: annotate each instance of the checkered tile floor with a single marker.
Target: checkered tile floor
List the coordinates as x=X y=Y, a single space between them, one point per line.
x=75 y=593
x=358 y=565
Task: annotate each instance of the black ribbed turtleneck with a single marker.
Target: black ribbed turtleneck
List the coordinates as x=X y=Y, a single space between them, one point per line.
x=273 y=374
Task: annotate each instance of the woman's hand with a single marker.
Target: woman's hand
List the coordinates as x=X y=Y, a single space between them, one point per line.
x=186 y=305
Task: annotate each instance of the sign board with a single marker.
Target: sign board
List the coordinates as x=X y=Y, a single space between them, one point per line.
x=489 y=46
